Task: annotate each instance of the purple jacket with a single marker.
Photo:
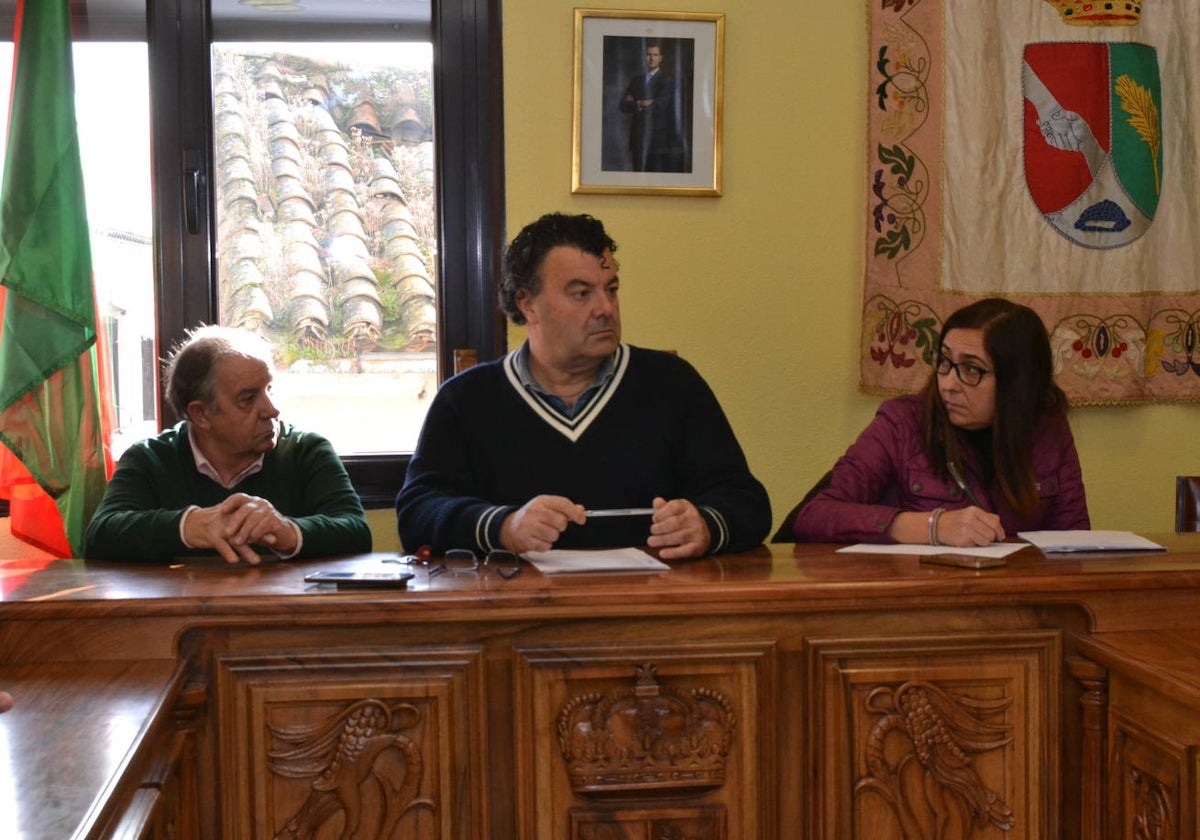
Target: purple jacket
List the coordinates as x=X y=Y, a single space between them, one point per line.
x=886 y=472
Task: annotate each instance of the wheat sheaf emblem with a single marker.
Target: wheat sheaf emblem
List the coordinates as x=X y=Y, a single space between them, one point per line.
x=1138 y=102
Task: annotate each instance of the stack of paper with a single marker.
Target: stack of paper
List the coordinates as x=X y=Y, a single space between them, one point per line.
x=1054 y=542
x=923 y=550
x=603 y=560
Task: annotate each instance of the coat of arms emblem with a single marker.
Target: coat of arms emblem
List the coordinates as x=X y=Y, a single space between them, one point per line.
x=1093 y=139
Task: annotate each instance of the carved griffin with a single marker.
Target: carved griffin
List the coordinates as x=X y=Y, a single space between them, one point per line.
x=943 y=732
x=342 y=755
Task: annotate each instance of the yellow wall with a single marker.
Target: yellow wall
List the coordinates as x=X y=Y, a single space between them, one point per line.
x=760 y=288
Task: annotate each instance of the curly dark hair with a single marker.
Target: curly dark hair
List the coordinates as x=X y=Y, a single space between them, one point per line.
x=525 y=254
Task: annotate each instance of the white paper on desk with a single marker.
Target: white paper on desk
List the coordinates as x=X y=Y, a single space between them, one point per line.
x=1053 y=542
x=993 y=550
x=559 y=560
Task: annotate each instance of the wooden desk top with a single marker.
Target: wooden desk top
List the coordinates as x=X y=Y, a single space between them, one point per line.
x=773 y=578
x=92 y=651
x=71 y=734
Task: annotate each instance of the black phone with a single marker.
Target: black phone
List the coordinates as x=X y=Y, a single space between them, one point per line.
x=362 y=580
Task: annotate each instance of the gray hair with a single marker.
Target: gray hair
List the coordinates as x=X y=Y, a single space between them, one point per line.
x=190 y=369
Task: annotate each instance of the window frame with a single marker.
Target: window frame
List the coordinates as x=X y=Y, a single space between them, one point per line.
x=469 y=148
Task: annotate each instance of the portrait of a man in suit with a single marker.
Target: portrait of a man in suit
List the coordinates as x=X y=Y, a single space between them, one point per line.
x=653 y=113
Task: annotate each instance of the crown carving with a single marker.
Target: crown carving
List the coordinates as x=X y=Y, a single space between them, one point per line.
x=1099 y=12
x=645 y=737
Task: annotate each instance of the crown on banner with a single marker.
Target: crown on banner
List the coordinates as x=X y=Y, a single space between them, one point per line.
x=1099 y=12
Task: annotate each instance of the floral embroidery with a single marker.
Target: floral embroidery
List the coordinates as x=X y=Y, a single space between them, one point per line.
x=1116 y=346
x=902 y=332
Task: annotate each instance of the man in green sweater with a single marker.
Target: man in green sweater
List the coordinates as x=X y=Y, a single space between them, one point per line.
x=230 y=479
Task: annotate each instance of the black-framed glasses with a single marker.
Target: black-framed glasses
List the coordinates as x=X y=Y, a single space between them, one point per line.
x=968 y=373
x=506 y=563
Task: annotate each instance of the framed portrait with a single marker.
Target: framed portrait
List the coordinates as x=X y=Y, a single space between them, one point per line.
x=648 y=91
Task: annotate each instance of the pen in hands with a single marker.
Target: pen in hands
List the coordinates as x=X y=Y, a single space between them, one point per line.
x=678 y=530
x=537 y=524
x=676 y=527
x=969 y=526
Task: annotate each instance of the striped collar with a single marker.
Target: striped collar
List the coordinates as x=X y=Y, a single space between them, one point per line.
x=516 y=368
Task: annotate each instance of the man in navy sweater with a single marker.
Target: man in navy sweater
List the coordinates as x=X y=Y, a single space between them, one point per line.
x=515 y=453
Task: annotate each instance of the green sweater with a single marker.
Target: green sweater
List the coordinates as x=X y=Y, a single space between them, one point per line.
x=157 y=480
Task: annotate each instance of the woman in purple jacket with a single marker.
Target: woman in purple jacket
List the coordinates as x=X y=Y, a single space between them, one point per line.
x=983 y=451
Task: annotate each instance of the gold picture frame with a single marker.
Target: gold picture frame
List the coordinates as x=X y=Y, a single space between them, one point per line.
x=648 y=102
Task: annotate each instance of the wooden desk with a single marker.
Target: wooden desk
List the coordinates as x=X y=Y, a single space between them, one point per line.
x=78 y=748
x=782 y=693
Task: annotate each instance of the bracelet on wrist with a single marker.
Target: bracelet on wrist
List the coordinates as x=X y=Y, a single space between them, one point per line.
x=934 y=516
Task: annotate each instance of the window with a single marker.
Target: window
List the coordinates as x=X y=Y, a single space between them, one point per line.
x=365 y=316
x=326 y=228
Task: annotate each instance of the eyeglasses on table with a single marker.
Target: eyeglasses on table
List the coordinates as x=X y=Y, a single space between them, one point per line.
x=506 y=563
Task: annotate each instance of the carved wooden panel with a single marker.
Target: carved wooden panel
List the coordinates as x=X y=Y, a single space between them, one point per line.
x=662 y=823
x=1147 y=777
x=1093 y=731
x=352 y=744
x=930 y=738
x=646 y=742
x=175 y=814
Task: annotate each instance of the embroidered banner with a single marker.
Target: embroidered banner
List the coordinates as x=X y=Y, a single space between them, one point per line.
x=1046 y=151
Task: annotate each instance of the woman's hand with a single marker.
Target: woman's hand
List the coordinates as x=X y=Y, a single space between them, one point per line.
x=969 y=526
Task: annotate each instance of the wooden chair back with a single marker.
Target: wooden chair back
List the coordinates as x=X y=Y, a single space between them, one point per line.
x=1187 y=503
x=784 y=534
x=464 y=359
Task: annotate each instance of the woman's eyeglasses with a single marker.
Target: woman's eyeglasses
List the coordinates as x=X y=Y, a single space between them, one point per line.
x=967 y=373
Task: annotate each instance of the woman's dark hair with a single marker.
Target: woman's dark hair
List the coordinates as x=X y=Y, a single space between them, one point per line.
x=525 y=255
x=1016 y=340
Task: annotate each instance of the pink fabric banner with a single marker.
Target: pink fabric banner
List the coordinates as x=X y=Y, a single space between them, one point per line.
x=1045 y=151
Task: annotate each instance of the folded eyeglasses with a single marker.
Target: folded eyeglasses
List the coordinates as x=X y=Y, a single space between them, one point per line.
x=506 y=563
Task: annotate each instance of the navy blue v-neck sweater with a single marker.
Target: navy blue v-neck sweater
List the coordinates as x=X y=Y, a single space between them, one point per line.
x=488 y=446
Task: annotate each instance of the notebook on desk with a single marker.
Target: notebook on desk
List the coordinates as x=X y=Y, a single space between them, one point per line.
x=1058 y=542
x=560 y=560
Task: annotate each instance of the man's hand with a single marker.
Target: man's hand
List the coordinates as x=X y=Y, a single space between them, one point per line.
x=537 y=525
x=237 y=524
x=6 y=701
x=678 y=530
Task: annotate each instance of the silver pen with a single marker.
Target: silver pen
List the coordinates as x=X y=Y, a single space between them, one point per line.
x=619 y=512
x=956 y=474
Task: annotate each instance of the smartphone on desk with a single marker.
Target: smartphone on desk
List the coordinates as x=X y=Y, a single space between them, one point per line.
x=963 y=561
x=362 y=580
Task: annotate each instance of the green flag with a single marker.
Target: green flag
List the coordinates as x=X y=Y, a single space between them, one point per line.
x=50 y=407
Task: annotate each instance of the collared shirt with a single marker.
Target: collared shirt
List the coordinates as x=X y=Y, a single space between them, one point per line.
x=525 y=375
x=205 y=468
